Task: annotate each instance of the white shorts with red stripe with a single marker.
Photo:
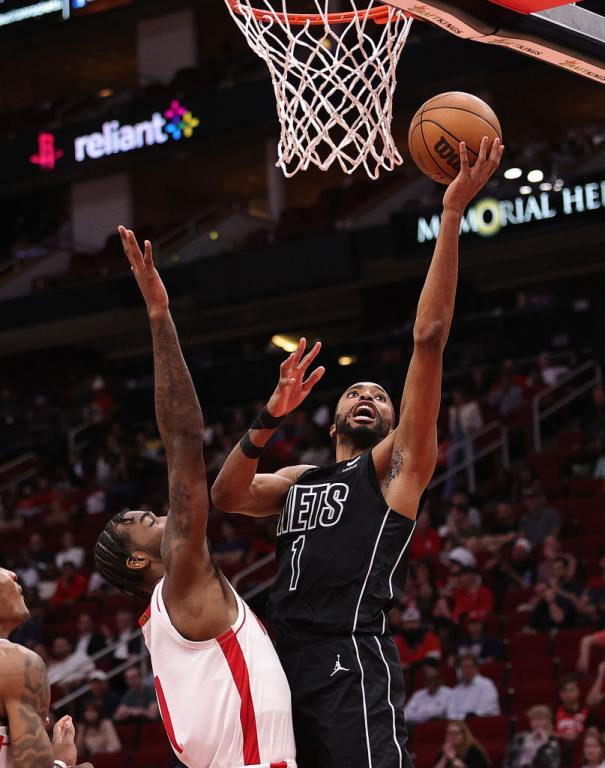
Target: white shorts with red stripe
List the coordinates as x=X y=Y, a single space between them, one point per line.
x=5 y=760
x=225 y=702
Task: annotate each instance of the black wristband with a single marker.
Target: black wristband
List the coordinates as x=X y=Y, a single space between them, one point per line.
x=248 y=448
x=264 y=420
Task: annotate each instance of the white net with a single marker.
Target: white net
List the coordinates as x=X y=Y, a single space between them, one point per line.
x=334 y=83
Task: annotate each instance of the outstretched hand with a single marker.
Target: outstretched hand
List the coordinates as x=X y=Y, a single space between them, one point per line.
x=292 y=388
x=470 y=181
x=143 y=268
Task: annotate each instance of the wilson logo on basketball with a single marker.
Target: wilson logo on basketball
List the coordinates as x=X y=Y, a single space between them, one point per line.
x=446 y=152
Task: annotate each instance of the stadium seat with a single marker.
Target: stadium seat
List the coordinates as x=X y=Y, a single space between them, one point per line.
x=109 y=760
x=544 y=692
x=515 y=597
x=525 y=646
x=429 y=735
x=129 y=735
x=533 y=668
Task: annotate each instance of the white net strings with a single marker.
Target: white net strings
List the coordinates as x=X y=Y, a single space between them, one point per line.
x=334 y=87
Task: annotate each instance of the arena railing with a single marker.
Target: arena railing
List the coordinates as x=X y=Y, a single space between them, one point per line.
x=476 y=446
x=562 y=397
x=18 y=470
x=83 y=689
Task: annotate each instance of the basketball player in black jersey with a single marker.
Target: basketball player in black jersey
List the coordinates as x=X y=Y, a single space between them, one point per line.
x=344 y=530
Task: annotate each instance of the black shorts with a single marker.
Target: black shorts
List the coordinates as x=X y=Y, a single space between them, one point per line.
x=348 y=697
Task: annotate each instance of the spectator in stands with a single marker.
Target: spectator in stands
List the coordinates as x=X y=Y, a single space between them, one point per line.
x=460 y=530
x=425 y=587
x=503 y=529
x=571 y=718
x=512 y=568
x=555 y=605
x=71 y=585
x=551 y=373
x=232 y=550
x=88 y=641
x=430 y=702
x=470 y=596
x=536 y=748
x=475 y=642
x=540 y=520
x=593 y=749
x=96 y=734
x=139 y=703
x=69 y=552
x=596 y=695
x=474 y=694
x=425 y=541
x=464 y=419
x=595 y=640
x=593 y=598
x=461 y=749
x=506 y=395
x=39 y=556
x=551 y=550
x=417 y=645
x=66 y=666
x=126 y=625
x=101 y=695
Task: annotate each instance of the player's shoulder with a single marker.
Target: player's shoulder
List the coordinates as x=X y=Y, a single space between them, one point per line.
x=293 y=474
x=20 y=663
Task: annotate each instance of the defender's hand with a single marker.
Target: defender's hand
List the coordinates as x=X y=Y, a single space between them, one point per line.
x=470 y=181
x=64 y=745
x=147 y=276
x=292 y=389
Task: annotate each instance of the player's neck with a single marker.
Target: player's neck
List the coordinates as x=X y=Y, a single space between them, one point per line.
x=6 y=629
x=346 y=449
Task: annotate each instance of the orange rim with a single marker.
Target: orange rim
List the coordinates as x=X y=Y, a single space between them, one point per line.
x=378 y=15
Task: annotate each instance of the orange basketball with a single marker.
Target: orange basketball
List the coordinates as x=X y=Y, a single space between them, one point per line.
x=441 y=124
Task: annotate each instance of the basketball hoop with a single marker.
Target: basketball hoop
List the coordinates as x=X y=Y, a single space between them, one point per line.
x=334 y=77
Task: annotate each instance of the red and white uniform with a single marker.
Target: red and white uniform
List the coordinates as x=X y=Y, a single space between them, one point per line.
x=5 y=761
x=225 y=702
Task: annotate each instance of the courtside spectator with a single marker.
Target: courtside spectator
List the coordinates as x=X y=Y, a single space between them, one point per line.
x=417 y=644
x=536 y=748
x=139 y=703
x=96 y=734
x=461 y=749
x=431 y=702
x=474 y=694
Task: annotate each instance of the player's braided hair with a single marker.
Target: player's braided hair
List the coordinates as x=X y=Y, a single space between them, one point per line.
x=112 y=550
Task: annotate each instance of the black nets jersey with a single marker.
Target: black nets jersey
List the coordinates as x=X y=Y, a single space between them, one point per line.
x=342 y=555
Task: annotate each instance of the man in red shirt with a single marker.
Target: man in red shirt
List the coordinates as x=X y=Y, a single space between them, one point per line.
x=471 y=597
x=71 y=585
x=426 y=543
x=416 y=644
x=571 y=718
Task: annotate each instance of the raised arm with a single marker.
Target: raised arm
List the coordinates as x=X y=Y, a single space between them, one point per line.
x=180 y=422
x=238 y=488
x=405 y=461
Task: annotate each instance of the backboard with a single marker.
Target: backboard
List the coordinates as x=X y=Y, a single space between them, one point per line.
x=564 y=34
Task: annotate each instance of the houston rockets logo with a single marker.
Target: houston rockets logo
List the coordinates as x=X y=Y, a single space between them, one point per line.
x=47 y=153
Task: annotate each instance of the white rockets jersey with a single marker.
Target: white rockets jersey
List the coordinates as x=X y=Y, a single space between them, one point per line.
x=5 y=761
x=225 y=702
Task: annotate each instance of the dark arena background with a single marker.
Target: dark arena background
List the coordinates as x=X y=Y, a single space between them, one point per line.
x=156 y=114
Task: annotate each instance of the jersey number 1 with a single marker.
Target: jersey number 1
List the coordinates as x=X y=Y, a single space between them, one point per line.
x=297 y=548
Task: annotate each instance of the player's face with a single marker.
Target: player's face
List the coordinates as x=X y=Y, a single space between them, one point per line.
x=12 y=605
x=364 y=414
x=146 y=532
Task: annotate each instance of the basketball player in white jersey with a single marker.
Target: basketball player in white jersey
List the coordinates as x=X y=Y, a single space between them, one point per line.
x=222 y=693
x=25 y=696
x=344 y=530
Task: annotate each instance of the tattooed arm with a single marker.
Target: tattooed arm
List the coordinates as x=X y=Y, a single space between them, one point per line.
x=190 y=575
x=406 y=460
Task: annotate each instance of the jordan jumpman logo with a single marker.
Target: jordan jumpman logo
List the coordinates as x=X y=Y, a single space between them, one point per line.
x=338 y=667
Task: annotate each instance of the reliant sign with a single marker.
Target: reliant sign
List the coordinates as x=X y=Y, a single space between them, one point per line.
x=489 y=216
x=115 y=138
